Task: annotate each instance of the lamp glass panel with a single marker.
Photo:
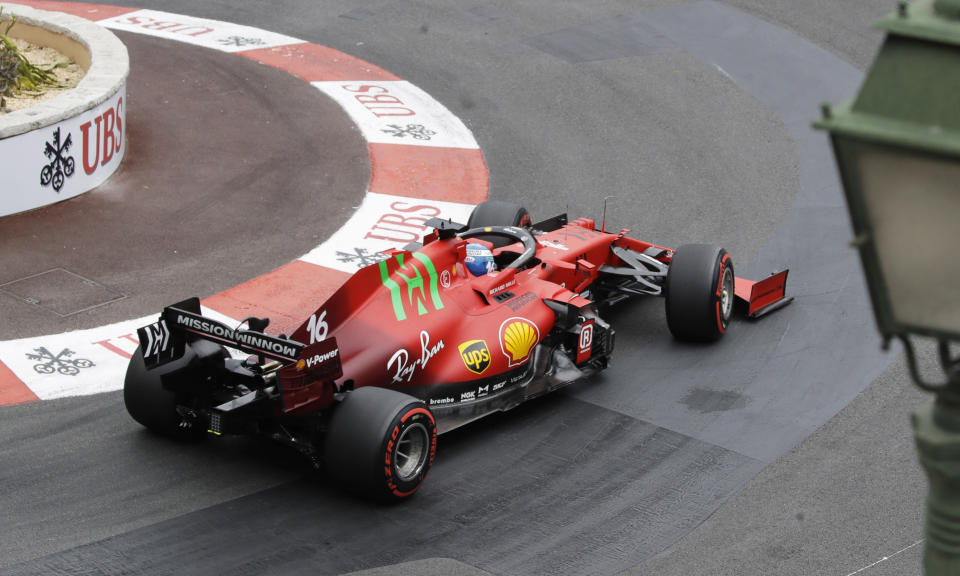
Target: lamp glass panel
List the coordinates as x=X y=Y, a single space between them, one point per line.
x=913 y=207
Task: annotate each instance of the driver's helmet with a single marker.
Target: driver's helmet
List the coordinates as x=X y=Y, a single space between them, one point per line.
x=479 y=259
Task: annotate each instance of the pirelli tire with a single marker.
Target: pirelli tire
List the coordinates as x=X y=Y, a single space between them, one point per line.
x=498 y=213
x=380 y=444
x=152 y=405
x=699 y=293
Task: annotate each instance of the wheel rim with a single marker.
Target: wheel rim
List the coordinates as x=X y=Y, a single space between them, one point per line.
x=411 y=453
x=726 y=295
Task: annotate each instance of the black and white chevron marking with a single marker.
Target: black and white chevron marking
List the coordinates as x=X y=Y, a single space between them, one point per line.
x=154 y=339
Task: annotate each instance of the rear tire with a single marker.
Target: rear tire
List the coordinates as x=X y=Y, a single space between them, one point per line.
x=498 y=213
x=152 y=405
x=380 y=444
x=699 y=293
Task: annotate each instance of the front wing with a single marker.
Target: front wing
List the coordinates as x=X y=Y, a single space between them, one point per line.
x=764 y=296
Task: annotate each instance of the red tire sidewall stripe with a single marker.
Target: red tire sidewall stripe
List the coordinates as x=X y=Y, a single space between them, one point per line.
x=719 y=293
x=388 y=455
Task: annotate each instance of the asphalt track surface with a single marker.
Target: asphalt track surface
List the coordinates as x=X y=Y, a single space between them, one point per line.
x=678 y=460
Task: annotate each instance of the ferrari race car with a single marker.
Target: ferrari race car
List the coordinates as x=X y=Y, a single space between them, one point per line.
x=423 y=342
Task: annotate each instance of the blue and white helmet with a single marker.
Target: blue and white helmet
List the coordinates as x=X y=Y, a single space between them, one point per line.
x=479 y=259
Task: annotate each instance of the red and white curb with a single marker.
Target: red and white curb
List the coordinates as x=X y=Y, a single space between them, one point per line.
x=424 y=162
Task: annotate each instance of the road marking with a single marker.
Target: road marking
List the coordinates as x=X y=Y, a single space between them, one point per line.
x=885 y=558
x=725 y=73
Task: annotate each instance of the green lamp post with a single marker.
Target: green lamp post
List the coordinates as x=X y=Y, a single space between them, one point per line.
x=897 y=147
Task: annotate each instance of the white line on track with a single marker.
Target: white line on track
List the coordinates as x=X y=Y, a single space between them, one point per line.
x=885 y=558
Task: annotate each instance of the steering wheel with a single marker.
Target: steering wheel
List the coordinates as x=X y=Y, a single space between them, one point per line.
x=513 y=233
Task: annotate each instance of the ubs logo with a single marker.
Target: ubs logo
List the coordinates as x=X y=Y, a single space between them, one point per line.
x=475 y=356
x=61 y=164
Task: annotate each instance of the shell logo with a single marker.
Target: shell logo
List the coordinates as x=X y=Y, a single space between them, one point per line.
x=518 y=336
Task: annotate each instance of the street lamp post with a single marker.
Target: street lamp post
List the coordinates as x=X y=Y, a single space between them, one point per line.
x=897 y=146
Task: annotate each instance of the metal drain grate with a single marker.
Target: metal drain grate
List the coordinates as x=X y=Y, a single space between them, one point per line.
x=61 y=291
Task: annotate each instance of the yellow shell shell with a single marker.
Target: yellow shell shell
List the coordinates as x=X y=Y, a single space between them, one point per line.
x=519 y=338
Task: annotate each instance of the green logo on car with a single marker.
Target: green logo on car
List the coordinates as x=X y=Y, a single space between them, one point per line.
x=416 y=293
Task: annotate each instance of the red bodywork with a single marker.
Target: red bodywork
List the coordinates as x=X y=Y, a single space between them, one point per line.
x=764 y=296
x=419 y=323
x=457 y=347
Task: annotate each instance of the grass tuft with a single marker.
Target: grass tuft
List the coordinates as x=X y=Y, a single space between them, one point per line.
x=17 y=74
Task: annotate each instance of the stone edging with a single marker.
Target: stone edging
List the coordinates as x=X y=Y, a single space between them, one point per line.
x=106 y=72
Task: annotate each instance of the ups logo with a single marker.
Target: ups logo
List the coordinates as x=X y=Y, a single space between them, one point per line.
x=475 y=355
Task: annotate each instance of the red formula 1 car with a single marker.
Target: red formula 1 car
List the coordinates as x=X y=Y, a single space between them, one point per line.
x=417 y=344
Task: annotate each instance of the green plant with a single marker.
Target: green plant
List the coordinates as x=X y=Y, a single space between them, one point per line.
x=16 y=72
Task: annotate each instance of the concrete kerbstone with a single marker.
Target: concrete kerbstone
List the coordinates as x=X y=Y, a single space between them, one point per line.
x=108 y=70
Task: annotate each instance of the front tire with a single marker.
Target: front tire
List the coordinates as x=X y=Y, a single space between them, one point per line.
x=699 y=293
x=380 y=444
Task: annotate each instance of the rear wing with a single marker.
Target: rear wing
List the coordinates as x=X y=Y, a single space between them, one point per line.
x=764 y=296
x=166 y=340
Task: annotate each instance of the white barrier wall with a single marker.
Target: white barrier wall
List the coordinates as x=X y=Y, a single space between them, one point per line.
x=67 y=145
x=63 y=160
